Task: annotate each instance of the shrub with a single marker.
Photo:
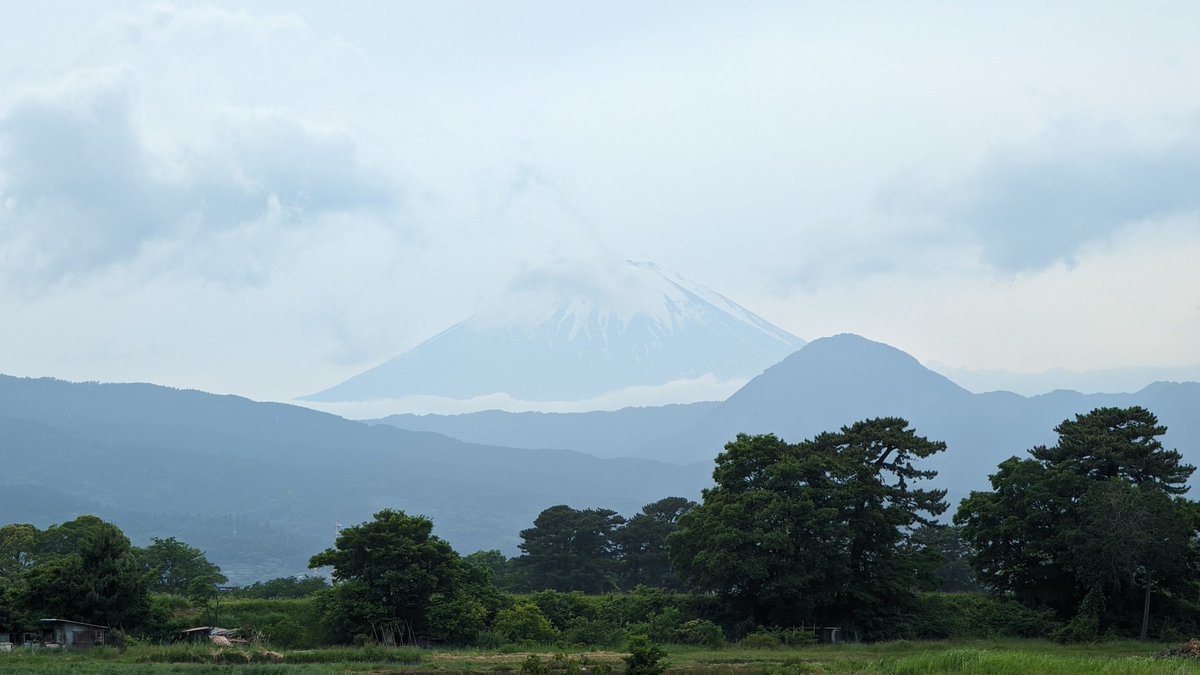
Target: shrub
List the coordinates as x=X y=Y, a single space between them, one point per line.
x=645 y=657
x=524 y=621
x=940 y=616
x=563 y=608
x=593 y=632
x=761 y=639
x=701 y=632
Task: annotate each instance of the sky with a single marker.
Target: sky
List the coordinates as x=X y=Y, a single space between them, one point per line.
x=267 y=198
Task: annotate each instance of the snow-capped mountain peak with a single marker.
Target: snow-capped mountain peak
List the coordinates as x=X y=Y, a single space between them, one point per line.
x=572 y=333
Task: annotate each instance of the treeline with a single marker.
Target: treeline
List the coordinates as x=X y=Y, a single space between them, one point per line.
x=86 y=569
x=1086 y=538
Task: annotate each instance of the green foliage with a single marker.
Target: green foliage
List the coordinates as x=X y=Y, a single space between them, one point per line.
x=524 y=622
x=761 y=639
x=645 y=657
x=569 y=549
x=1085 y=625
x=563 y=608
x=390 y=569
x=534 y=665
x=1096 y=514
x=18 y=549
x=793 y=533
x=504 y=573
x=700 y=633
x=89 y=574
x=561 y=663
x=281 y=623
x=599 y=632
x=642 y=544
x=458 y=618
x=283 y=587
x=941 y=616
x=949 y=558
x=174 y=567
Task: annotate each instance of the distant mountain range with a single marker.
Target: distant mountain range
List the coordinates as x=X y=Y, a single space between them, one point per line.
x=260 y=486
x=829 y=383
x=642 y=327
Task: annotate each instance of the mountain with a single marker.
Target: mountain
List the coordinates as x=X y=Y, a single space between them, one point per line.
x=260 y=486
x=552 y=340
x=601 y=433
x=835 y=381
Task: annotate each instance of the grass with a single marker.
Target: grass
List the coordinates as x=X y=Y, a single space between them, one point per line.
x=891 y=658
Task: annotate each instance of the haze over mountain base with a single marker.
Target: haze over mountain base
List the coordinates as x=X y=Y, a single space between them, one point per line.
x=705 y=388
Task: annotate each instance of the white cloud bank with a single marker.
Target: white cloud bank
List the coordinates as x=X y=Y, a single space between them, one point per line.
x=268 y=202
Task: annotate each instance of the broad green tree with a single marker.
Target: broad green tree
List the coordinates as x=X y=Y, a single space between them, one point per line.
x=1090 y=525
x=18 y=549
x=388 y=571
x=174 y=567
x=571 y=550
x=99 y=581
x=813 y=531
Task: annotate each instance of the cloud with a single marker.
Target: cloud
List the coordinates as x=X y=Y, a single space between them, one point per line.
x=82 y=188
x=1033 y=205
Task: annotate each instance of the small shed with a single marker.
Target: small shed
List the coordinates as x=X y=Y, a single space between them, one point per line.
x=67 y=634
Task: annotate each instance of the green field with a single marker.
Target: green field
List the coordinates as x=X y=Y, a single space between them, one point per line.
x=1008 y=656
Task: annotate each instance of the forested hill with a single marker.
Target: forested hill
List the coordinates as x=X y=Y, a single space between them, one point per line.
x=260 y=486
x=835 y=381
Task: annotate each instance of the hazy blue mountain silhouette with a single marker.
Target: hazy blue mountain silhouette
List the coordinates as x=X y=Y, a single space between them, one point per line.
x=223 y=470
x=651 y=328
x=835 y=381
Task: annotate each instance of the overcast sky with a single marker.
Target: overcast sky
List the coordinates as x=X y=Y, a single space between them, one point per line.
x=267 y=198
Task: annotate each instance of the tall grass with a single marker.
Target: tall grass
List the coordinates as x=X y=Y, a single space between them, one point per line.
x=986 y=662
x=242 y=656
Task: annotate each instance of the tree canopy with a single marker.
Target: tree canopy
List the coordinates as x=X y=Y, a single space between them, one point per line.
x=816 y=530
x=571 y=549
x=174 y=567
x=389 y=570
x=1091 y=524
x=89 y=573
x=642 y=544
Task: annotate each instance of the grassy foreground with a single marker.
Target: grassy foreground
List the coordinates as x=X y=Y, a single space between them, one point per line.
x=1006 y=656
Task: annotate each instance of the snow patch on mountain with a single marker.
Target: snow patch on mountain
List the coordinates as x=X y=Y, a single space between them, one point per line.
x=574 y=333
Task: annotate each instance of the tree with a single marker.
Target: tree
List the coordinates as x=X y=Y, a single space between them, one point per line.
x=174 y=567
x=1117 y=443
x=794 y=533
x=388 y=571
x=946 y=546
x=284 y=587
x=571 y=550
x=642 y=544
x=67 y=538
x=1081 y=527
x=504 y=573
x=18 y=549
x=99 y=581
